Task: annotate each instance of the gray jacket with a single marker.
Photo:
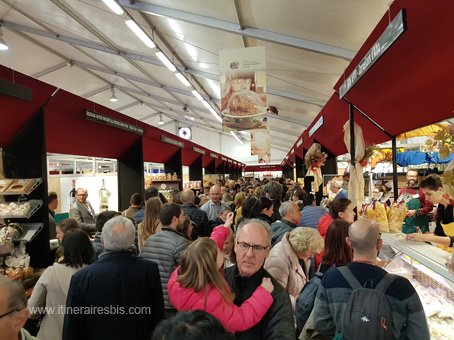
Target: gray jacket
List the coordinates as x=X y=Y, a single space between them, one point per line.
x=84 y=216
x=165 y=248
x=279 y=228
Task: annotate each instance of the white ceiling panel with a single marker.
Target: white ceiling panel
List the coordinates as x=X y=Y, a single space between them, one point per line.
x=345 y=23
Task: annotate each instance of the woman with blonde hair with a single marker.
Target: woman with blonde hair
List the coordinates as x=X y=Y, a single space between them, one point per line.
x=151 y=223
x=200 y=284
x=283 y=262
x=238 y=201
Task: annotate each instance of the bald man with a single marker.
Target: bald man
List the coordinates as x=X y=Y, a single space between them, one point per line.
x=364 y=238
x=13 y=310
x=213 y=207
x=198 y=216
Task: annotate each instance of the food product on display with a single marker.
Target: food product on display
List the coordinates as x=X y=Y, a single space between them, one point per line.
x=14 y=208
x=4 y=184
x=396 y=216
x=21 y=185
x=376 y=211
x=14 y=273
x=10 y=232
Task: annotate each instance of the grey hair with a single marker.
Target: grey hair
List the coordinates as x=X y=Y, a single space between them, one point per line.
x=262 y=223
x=118 y=233
x=16 y=293
x=285 y=208
x=336 y=184
x=273 y=189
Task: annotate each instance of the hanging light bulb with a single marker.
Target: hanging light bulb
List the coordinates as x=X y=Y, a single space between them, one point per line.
x=113 y=98
x=161 y=122
x=3 y=44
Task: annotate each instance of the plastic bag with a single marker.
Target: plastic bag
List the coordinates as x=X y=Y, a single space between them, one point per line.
x=396 y=216
x=376 y=211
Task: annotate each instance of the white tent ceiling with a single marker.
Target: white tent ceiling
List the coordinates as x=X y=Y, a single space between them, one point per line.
x=83 y=47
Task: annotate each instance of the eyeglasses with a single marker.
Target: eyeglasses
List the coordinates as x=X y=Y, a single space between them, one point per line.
x=82 y=195
x=256 y=249
x=8 y=313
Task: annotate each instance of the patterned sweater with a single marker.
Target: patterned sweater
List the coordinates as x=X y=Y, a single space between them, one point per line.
x=408 y=313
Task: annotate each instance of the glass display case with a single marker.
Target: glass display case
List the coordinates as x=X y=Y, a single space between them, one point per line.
x=425 y=266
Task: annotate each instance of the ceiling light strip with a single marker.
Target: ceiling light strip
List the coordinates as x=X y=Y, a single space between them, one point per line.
x=114 y=7
x=140 y=33
x=236 y=137
x=166 y=61
x=183 y=79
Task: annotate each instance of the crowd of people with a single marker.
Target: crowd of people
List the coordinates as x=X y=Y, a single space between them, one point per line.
x=257 y=260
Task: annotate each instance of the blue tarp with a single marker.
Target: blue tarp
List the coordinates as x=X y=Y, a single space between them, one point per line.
x=418 y=157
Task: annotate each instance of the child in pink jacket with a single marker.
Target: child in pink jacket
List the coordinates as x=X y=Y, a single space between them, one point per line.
x=200 y=284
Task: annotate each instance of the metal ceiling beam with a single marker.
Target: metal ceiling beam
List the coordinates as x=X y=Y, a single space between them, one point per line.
x=146 y=59
x=288 y=120
x=235 y=28
x=127 y=106
x=50 y=70
x=95 y=92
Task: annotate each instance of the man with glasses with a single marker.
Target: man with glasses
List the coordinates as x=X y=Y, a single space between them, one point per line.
x=83 y=212
x=13 y=310
x=252 y=246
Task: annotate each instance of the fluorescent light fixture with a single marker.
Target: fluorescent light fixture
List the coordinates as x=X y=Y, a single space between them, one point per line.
x=183 y=79
x=140 y=33
x=215 y=114
x=205 y=103
x=3 y=44
x=166 y=61
x=161 y=122
x=114 y=7
x=197 y=95
x=236 y=137
x=189 y=117
x=113 y=98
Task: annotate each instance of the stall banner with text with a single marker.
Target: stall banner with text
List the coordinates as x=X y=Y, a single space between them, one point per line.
x=243 y=88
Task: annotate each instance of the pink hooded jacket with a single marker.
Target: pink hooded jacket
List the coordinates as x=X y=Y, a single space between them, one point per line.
x=233 y=318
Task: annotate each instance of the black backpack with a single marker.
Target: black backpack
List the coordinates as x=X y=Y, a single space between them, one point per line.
x=368 y=314
x=306 y=300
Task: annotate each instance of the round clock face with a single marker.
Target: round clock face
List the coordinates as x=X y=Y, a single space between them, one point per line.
x=185 y=132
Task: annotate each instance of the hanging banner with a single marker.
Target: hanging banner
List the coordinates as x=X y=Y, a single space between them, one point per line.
x=261 y=145
x=243 y=88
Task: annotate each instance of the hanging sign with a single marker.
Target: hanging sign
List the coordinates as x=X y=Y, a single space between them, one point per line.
x=299 y=142
x=172 y=141
x=224 y=159
x=213 y=155
x=261 y=145
x=243 y=88
x=106 y=120
x=388 y=37
x=198 y=150
x=316 y=126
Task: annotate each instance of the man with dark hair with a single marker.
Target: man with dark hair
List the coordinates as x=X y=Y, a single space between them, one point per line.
x=408 y=317
x=192 y=325
x=197 y=215
x=433 y=191
x=52 y=204
x=13 y=310
x=165 y=247
x=135 y=203
x=311 y=214
x=117 y=297
x=149 y=193
x=273 y=190
x=418 y=206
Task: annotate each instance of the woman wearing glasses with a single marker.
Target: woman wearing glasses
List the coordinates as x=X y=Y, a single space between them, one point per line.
x=200 y=284
x=52 y=287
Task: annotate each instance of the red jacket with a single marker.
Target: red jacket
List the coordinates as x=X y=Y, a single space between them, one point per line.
x=233 y=318
x=323 y=225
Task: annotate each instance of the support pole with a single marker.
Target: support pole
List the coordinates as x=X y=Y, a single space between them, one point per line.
x=394 y=151
x=352 y=133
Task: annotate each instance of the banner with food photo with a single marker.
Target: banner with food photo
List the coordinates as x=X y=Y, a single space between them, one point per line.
x=261 y=145
x=243 y=88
